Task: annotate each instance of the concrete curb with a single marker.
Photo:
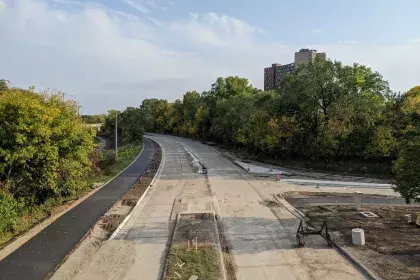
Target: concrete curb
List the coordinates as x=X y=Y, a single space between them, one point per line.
x=367 y=273
x=298 y=214
x=159 y=171
x=233 y=159
x=192 y=160
x=359 y=266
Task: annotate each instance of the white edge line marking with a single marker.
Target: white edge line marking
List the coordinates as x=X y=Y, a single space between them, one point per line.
x=157 y=176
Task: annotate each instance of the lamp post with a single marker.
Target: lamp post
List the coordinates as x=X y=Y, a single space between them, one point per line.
x=116 y=135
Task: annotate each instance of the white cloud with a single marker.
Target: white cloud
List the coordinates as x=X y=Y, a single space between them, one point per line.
x=155 y=5
x=144 y=6
x=138 y=5
x=347 y=42
x=317 y=31
x=156 y=22
x=414 y=40
x=106 y=59
x=218 y=30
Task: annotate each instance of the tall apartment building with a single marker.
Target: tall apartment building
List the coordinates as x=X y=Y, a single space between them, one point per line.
x=274 y=75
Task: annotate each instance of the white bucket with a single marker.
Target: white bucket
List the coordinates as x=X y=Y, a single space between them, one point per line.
x=358 y=236
x=358 y=199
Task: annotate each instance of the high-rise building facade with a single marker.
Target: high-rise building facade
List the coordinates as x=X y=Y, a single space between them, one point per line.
x=274 y=75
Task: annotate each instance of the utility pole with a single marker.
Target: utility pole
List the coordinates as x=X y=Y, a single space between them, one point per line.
x=78 y=108
x=116 y=135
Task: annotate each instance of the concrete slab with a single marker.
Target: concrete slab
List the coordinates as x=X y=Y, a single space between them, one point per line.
x=261 y=240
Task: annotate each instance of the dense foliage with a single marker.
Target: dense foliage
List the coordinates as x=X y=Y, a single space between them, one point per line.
x=130 y=124
x=407 y=166
x=48 y=154
x=44 y=147
x=93 y=119
x=45 y=152
x=324 y=110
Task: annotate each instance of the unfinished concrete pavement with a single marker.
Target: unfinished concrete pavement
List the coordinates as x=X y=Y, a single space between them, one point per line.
x=261 y=238
x=138 y=251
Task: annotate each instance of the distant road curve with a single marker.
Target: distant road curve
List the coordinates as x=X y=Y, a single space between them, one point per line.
x=102 y=144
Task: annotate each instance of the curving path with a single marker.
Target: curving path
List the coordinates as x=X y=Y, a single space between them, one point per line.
x=41 y=255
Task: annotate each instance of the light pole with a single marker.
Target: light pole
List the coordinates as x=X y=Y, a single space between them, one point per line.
x=116 y=135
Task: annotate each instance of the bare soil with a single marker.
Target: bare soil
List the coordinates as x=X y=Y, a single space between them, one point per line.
x=392 y=249
x=111 y=222
x=195 y=249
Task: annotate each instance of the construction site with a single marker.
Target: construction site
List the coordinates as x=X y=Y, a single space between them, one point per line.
x=200 y=212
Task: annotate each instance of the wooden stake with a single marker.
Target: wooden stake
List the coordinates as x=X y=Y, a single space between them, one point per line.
x=196 y=244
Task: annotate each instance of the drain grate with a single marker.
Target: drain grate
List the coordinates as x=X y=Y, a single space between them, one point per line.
x=369 y=214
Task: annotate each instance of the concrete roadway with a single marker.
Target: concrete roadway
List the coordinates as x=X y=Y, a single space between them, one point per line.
x=262 y=239
x=138 y=251
x=40 y=256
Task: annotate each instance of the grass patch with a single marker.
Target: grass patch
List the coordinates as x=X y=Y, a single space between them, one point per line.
x=205 y=263
x=126 y=155
x=31 y=216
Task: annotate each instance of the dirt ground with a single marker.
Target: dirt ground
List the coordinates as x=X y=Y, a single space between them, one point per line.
x=195 y=230
x=392 y=249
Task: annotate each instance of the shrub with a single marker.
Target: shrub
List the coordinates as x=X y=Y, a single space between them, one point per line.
x=9 y=213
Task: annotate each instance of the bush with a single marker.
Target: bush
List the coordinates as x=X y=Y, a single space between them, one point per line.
x=102 y=161
x=44 y=146
x=407 y=170
x=9 y=213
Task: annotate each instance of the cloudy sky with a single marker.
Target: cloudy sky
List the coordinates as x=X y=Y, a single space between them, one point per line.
x=115 y=53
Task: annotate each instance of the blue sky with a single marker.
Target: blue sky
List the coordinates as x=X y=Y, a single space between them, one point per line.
x=112 y=54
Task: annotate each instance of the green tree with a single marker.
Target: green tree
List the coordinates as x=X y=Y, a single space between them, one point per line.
x=108 y=126
x=156 y=114
x=407 y=165
x=94 y=119
x=132 y=124
x=3 y=85
x=407 y=170
x=44 y=146
x=336 y=107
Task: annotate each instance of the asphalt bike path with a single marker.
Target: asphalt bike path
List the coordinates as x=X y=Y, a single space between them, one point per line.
x=41 y=255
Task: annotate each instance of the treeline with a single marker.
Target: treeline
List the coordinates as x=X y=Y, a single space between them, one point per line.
x=94 y=119
x=130 y=125
x=324 y=110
